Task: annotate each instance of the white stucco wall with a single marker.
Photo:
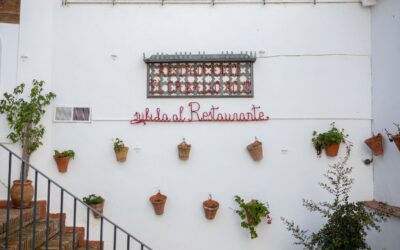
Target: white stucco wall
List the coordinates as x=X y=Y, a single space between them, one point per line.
x=322 y=73
x=385 y=83
x=9 y=34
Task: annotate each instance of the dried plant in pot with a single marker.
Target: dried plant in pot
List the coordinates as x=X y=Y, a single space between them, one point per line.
x=184 y=150
x=375 y=143
x=96 y=202
x=210 y=207
x=256 y=150
x=23 y=114
x=121 y=151
x=62 y=159
x=394 y=138
x=329 y=140
x=251 y=214
x=158 y=201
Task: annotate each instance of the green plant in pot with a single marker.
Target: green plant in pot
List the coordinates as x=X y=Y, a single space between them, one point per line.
x=346 y=222
x=96 y=202
x=251 y=214
x=23 y=116
x=394 y=138
x=121 y=151
x=62 y=159
x=329 y=140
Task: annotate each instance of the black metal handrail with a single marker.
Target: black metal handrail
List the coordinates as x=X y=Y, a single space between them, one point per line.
x=63 y=191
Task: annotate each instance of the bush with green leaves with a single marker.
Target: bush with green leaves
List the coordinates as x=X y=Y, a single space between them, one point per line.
x=118 y=144
x=24 y=115
x=251 y=214
x=66 y=153
x=322 y=140
x=93 y=199
x=347 y=222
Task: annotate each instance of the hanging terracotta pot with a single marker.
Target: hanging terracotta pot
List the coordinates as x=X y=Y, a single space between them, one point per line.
x=249 y=216
x=16 y=200
x=62 y=163
x=256 y=151
x=99 y=208
x=158 y=200
x=375 y=144
x=121 y=154
x=184 y=150
x=210 y=208
x=332 y=149
x=396 y=139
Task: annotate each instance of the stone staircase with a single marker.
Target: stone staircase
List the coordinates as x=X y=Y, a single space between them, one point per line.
x=40 y=231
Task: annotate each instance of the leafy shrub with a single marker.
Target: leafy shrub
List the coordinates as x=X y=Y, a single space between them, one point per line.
x=93 y=199
x=347 y=222
x=66 y=153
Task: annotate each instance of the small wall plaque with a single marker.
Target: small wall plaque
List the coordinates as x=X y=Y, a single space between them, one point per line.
x=201 y=75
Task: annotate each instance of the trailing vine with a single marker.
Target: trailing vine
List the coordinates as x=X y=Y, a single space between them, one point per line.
x=251 y=214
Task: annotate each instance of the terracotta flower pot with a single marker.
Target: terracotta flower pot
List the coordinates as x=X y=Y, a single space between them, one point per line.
x=99 y=208
x=396 y=140
x=256 y=151
x=332 y=150
x=158 y=200
x=16 y=194
x=121 y=154
x=375 y=144
x=62 y=163
x=184 y=150
x=250 y=218
x=210 y=208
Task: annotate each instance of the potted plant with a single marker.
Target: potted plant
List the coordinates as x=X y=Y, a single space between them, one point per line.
x=121 y=151
x=330 y=141
x=346 y=223
x=394 y=138
x=255 y=149
x=23 y=117
x=210 y=207
x=251 y=214
x=375 y=144
x=62 y=159
x=184 y=150
x=96 y=202
x=158 y=201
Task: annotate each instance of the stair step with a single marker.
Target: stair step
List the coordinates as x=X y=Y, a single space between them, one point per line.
x=67 y=242
x=27 y=235
x=27 y=218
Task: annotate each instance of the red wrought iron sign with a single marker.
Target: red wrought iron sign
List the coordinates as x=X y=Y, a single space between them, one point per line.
x=200 y=75
x=194 y=113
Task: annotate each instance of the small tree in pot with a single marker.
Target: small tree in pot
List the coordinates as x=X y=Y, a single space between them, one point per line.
x=346 y=222
x=23 y=117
